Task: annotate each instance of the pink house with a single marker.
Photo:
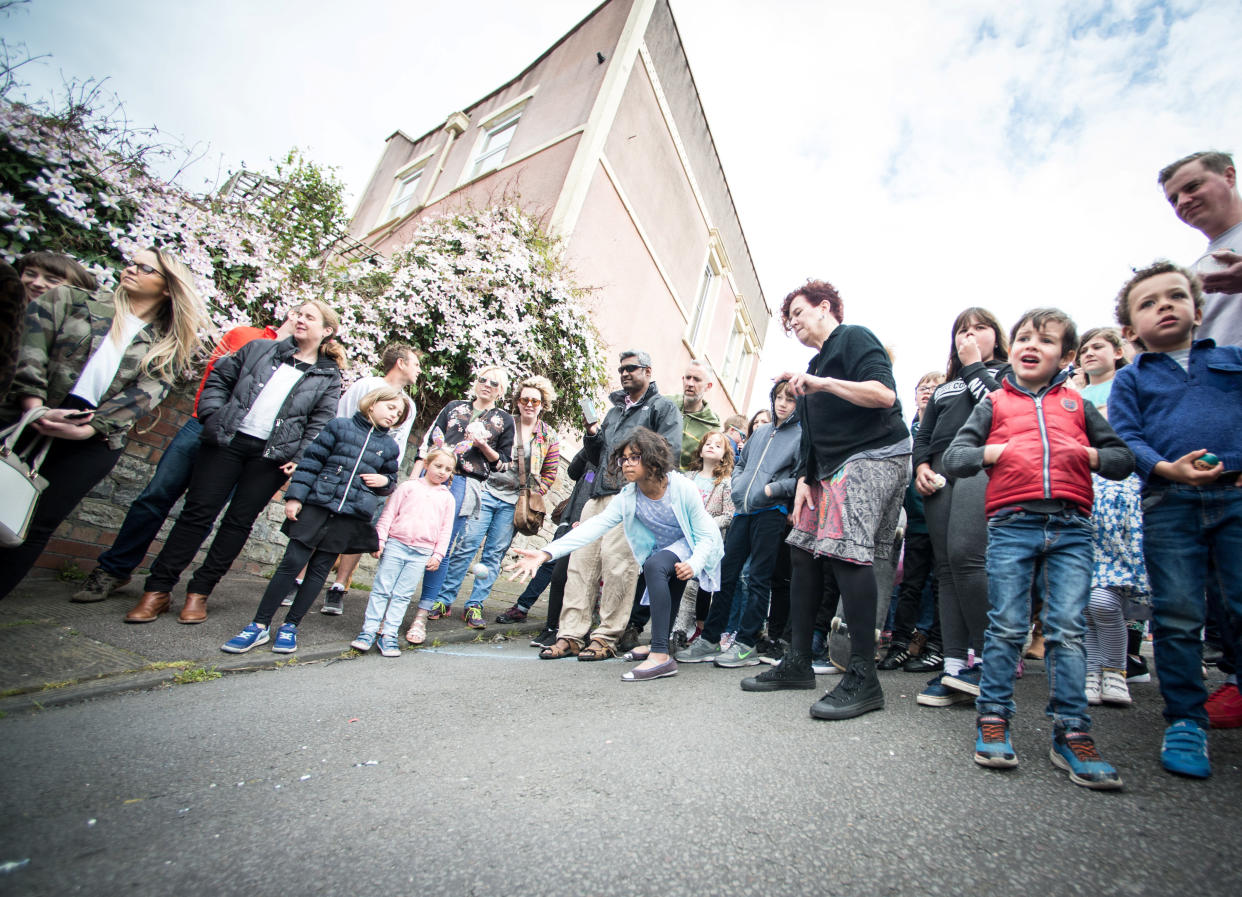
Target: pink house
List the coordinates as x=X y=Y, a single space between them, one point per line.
x=604 y=137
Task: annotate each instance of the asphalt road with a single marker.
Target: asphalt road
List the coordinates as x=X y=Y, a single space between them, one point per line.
x=480 y=770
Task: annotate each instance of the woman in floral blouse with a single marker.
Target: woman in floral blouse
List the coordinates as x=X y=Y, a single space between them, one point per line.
x=492 y=528
x=481 y=436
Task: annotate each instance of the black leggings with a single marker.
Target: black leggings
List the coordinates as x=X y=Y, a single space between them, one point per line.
x=858 y=600
x=665 y=590
x=318 y=565
x=72 y=469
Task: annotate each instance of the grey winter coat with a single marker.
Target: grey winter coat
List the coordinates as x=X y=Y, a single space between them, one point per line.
x=769 y=457
x=653 y=411
x=236 y=381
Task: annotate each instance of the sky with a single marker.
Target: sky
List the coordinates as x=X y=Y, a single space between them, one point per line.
x=923 y=157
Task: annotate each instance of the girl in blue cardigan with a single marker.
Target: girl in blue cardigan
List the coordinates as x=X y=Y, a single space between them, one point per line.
x=669 y=531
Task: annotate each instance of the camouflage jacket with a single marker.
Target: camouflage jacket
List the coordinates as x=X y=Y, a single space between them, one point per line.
x=64 y=327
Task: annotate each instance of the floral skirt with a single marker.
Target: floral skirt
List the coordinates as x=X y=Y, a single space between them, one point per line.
x=1118 y=540
x=855 y=511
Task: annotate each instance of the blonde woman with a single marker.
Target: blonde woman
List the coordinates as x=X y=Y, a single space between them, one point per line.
x=100 y=363
x=480 y=435
x=492 y=528
x=260 y=408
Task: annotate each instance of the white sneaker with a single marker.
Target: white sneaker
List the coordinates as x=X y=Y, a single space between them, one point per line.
x=1113 y=688
x=1093 y=688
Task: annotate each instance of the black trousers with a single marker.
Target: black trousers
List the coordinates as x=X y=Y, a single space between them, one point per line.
x=757 y=538
x=221 y=469
x=72 y=469
x=916 y=568
x=318 y=565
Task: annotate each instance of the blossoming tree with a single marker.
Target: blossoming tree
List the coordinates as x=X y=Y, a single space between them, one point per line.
x=479 y=286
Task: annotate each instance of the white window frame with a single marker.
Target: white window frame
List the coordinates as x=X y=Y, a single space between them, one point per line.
x=700 y=315
x=414 y=199
x=489 y=158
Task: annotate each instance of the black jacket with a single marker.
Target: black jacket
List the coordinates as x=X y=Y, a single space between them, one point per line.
x=236 y=381
x=329 y=473
x=653 y=411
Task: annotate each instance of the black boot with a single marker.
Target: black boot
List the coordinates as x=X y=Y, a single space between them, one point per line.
x=794 y=671
x=858 y=692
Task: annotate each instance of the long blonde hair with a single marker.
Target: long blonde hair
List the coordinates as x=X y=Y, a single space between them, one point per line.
x=331 y=345
x=183 y=318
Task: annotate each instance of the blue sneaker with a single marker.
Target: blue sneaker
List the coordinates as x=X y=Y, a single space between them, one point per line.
x=936 y=695
x=1185 y=750
x=966 y=681
x=1075 y=752
x=389 y=646
x=363 y=642
x=992 y=745
x=286 y=640
x=251 y=636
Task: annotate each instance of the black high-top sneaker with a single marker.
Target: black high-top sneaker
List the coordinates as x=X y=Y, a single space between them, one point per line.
x=794 y=671
x=857 y=693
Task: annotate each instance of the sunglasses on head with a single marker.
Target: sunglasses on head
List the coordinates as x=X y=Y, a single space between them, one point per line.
x=144 y=268
x=630 y=368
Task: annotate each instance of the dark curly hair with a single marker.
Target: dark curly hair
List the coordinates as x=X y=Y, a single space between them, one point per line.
x=652 y=449
x=816 y=292
x=1159 y=266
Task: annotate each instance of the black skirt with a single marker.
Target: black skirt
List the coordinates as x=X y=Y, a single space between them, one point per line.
x=319 y=528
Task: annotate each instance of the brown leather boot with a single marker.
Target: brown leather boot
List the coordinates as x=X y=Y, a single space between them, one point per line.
x=195 y=609
x=149 y=606
x=1035 y=651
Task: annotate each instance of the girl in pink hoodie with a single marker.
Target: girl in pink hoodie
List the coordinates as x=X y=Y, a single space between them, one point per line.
x=414 y=535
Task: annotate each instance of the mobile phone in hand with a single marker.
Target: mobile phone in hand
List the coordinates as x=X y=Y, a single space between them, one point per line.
x=78 y=415
x=588 y=411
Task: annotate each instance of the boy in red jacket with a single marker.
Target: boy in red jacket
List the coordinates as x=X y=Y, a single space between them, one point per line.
x=1039 y=442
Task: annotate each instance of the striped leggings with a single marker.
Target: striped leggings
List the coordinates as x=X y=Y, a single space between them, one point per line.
x=1106 y=631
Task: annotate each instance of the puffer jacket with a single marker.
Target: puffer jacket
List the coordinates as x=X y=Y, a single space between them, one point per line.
x=768 y=458
x=329 y=474
x=64 y=328
x=236 y=381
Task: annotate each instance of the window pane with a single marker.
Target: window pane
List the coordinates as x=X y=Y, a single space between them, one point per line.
x=495 y=145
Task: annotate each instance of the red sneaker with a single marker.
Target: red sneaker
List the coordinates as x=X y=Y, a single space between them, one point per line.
x=1224 y=707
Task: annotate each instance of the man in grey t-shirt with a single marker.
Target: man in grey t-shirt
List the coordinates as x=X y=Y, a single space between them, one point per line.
x=1203 y=190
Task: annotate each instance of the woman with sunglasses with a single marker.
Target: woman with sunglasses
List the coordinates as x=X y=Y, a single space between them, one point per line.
x=481 y=436
x=672 y=536
x=493 y=527
x=100 y=363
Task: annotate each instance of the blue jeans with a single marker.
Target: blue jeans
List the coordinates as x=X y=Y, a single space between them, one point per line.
x=1054 y=553
x=493 y=529
x=435 y=578
x=149 y=510
x=399 y=569
x=1182 y=527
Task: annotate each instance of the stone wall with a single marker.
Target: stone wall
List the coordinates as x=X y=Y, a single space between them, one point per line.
x=93 y=525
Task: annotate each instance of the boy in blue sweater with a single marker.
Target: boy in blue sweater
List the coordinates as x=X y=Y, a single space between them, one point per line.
x=1179 y=407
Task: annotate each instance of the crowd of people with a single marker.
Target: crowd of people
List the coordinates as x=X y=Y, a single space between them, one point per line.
x=1053 y=497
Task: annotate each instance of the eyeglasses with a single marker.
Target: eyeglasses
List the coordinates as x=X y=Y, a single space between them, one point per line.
x=534 y=403
x=145 y=269
x=629 y=459
x=492 y=383
x=629 y=368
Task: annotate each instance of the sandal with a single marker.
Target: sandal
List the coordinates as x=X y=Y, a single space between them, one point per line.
x=597 y=650
x=563 y=648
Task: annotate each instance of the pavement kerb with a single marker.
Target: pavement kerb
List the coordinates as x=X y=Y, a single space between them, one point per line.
x=141 y=680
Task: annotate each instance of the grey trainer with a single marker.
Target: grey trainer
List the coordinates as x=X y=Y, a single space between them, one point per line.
x=738 y=655
x=700 y=651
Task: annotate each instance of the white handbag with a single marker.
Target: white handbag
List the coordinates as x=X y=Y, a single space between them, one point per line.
x=20 y=483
